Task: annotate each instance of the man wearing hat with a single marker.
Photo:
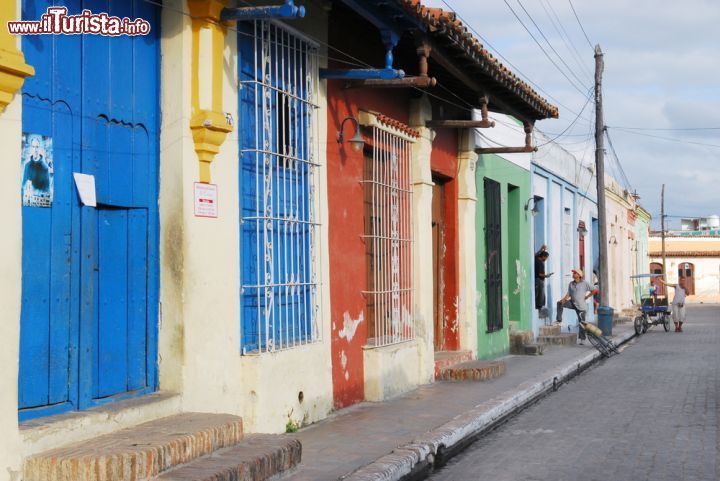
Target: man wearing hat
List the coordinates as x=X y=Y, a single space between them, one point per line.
x=579 y=291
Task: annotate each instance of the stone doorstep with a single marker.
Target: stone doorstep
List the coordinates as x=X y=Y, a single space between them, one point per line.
x=445 y=359
x=534 y=349
x=520 y=339
x=137 y=453
x=473 y=371
x=563 y=339
x=257 y=458
x=550 y=330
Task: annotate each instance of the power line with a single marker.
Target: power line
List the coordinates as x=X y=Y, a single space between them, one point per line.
x=627 y=185
x=565 y=37
x=517 y=70
x=580 y=23
x=549 y=44
x=667 y=129
x=670 y=139
x=587 y=101
x=543 y=49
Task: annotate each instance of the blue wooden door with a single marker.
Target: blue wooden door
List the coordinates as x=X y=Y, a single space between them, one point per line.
x=89 y=312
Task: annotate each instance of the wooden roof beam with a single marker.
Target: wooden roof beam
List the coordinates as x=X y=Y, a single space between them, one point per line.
x=463 y=77
x=528 y=148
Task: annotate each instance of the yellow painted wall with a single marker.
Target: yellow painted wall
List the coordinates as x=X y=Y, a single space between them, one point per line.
x=10 y=266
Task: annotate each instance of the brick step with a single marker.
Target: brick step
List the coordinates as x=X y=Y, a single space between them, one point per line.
x=256 y=458
x=533 y=349
x=473 y=371
x=518 y=341
x=562 y=339
x=550 y=330
x=445 y=359
x=138 y=453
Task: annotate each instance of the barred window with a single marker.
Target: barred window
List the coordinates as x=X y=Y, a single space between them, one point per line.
x=278 y=75
x=388 y=238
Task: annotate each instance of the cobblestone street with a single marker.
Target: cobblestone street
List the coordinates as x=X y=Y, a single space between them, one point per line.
x=648 y=414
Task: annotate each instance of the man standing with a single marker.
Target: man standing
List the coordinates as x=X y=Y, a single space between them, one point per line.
x=678 y=302
x=540 y=257
x=579 y=291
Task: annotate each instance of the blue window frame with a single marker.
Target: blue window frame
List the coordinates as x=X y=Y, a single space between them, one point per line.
x=278 y=72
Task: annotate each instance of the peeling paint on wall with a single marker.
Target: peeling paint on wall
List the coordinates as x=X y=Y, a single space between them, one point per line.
x=343 y=360
x=518 y=271
x=350 y=326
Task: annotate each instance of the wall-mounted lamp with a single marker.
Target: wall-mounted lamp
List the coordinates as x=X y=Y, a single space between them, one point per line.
x=535 y=210
x=357 y=143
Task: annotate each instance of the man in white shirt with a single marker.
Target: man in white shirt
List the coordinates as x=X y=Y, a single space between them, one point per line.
x=678 y=303
x=579 y=291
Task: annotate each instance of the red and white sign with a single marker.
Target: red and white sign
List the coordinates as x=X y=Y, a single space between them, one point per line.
x=206 y=197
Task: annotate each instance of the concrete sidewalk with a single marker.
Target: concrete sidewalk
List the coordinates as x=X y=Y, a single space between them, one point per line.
x=389 y=440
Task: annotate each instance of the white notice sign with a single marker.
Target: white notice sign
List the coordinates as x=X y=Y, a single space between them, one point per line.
x=206 y=200
x=86 y=188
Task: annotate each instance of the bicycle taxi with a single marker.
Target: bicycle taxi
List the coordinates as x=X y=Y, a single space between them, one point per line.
x=653 y=307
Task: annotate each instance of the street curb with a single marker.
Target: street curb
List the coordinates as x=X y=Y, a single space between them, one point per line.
x=417 y=458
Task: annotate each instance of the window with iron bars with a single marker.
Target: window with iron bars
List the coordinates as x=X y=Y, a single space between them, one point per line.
x=388 y=239
x=278 y=76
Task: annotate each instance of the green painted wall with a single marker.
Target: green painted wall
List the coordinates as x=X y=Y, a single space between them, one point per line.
x=516 y=252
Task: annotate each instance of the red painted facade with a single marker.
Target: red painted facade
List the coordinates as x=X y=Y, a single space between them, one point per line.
x=444 y=166
x=348 y=270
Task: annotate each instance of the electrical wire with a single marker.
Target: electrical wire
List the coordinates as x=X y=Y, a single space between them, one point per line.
x=579 y=89
x=550 y=44
x=580 y=23
x=587 y=101
x=566 y=38
x=667 y=129
x=617 y=159
x=515 y=69
x=670 y=139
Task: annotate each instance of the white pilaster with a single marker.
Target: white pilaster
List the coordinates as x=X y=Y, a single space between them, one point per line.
x=420 y=112
x=467 y=200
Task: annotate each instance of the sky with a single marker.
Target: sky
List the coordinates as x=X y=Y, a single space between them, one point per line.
x=662 y=71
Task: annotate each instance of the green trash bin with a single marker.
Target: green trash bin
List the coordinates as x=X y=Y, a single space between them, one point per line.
x=605 y=320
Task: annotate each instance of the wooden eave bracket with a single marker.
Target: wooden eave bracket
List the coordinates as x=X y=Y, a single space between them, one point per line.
x=422 y=80
x=528 y=148
x=483 y=123
x=405 y=82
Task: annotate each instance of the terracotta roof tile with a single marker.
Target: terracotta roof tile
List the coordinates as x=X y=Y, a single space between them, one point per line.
x=446 y=23
x=396 y=124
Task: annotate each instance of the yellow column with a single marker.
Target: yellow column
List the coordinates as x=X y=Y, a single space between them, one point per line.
x=13 y=68
x=208 y=123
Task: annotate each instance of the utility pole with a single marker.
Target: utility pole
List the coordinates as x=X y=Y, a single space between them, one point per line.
x=662 y=228
x=600 y=172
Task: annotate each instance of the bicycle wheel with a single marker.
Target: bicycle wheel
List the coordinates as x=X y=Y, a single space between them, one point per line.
x=666 y=322
x=638 y=323
x=646 y=324
x=597 y=344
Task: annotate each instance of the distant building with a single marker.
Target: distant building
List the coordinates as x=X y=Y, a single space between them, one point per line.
x=697 y=260
x=700 y=224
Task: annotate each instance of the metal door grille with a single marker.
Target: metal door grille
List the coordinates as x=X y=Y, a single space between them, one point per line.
x=278 y=71
x=388 y=239
x=493 y=255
